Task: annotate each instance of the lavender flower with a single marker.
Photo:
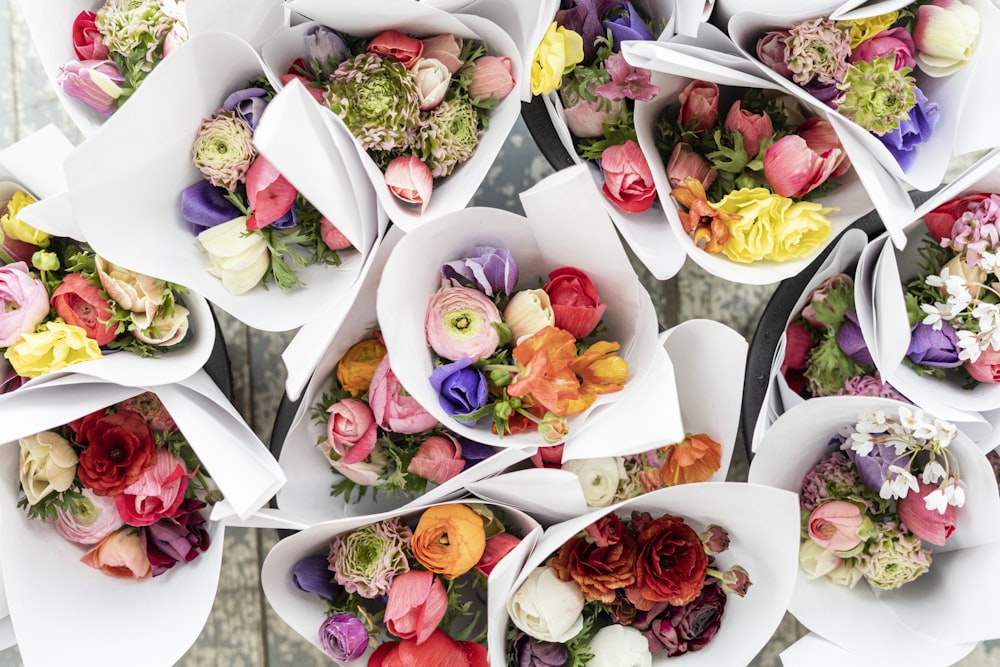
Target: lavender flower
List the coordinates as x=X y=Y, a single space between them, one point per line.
x=461 y=387
x=869 y=385
x=312 y=575
x=851 y=341
x=343 y=637
x=491 y=271
x=625 y=23
x=894 y=557
x=96 y=83
x=912 y=131
x=834 y=477
x=325 y=50
x=473 y=452
x=248 y=104
x=935 y=348
x=203 y=205
x=584 y=17
x=223 y=150
x=817 y=49
x=873 y=468
x=367 y=559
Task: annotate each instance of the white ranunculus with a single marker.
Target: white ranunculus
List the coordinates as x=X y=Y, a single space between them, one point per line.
x=432 y=79
x=48 y=465
x=815 y=561
x=161 y=330
x=619 y=646
x=547 y=608
x=599 y=478
x=239 y=259
x=528 y=312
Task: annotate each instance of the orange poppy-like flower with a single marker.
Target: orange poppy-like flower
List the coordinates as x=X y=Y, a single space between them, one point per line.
x=706 y=223
x=600 y=372
x=544 y=372
x=356 y=368
x=449 y=540
x=695 y=459
x=599 y=569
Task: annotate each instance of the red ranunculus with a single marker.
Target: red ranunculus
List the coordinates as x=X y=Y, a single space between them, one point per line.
x=81 y=304
x=671 y=562
x=392 y=44
x=600 y=567
x=574 y=301
x=439 y=650
x=940 y=221
x=628 y=181
x=87 y=42
x=497 y=547
x=119 y=448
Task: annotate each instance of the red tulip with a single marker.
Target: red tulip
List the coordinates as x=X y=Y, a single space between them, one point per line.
x=575 y=301
x=270 y=193
x=497 y=547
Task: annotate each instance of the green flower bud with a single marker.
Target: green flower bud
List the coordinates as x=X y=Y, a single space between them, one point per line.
x=45 y=261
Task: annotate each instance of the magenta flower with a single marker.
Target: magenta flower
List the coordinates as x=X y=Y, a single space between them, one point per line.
x=96 y=83
x=627 y=81
x=392 y=406
x=343 y=637
x=895 y=43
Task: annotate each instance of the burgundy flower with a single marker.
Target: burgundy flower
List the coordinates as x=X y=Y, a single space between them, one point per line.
x=182 y=537
x=690 y=627
x=671 y=562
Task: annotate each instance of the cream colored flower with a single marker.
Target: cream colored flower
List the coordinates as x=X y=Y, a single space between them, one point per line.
x=132 y=291
x=239 y=259
x=48 y=465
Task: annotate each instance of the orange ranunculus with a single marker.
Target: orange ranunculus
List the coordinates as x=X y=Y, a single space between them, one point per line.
x=121 y=554
x=543 y=363
x=599 y=372
x=694 y=459
x=599 y=566
x=449 y=540
x=356 y=368
x=706 y=223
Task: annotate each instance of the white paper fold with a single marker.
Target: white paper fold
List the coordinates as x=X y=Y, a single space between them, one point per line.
x=814 y=651
x=691 y=14
x=33 y=162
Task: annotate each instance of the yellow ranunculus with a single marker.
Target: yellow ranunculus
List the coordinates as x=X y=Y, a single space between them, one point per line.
x=356 y=368
x=864 y=29
x=56 y=346
x=772 y=227
x=15 y=228
x=559 y=51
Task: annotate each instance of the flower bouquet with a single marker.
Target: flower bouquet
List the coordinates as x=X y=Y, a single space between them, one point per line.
x=421 y=586
x=647 y=580
x=415 y=86
x=120 y=475
x=359 y=444
x=208 y=70
x=541 y=385
x=879 y=482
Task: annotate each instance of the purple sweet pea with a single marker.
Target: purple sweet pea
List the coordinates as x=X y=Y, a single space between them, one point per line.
x=873 y=469
x=203 y=205
x=343 y=637
x=531 y=652
x=627 y=24
x=248 y=104
x=181 y=538
x=851 y=341
x=584 y=18
x=325 y=49
x=312 y=575
x=461 y=387
x=913 y=131
x=491 y=271
x=934 y=348
x=96 y=83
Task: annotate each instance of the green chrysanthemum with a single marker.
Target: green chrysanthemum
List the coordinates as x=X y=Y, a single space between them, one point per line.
x=893 y=557
x=127 y=25
x=367 y=559
x=877 y=97
x=377 y=99
x=828 y=368
x=448 y=136
x=224 y=150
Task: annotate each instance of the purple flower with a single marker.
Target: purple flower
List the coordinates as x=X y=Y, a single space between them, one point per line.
x=912 y=131
x=627 y=81
x=690 y=627
x=181 y=538
x=312 y=575
x=204 y=205
x=96 y=83
x=248 y=104
x=343 y=637
x=873 y=469
x=531 y=652
x=625 y=23
x=473 y=452
x=934 y=348
x=851 y=341
x=584 y=18
x=461 y=387
x=491 y=271
x=827 y=93
x=325 y=50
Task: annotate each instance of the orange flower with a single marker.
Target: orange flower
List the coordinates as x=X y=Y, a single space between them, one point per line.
x=356 y=368
x=449 y=540
x=706 y=223
x=693 y=460
x=599 y=372
x=543 y=364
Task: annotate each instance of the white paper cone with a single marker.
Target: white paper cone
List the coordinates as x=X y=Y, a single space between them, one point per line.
x=691 y=14
x=33 y=162
x=548 y=494
x=726 y=9
x=251 y=20
x=814 y=651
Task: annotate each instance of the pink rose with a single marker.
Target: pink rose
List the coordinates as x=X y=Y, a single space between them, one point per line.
x=491 y=77
x=332 y=237
x=270 y=194
x=834 y=525
x=929 y=525
x=120 y=554
x=87 y=42
x=793 y=168
x=753 y=127
x=445 y=48
x=24 y=303
x=416 y=604
x=438 y=459
x=497 y=547
x=895 y=43
x=686 y=163
x=986 y=368
x=351 y=430
x=81 y=304
x=628 y=182
x=392 y=44
x=156 y=494
x=393 y=408
x=699 y=106
x=409 y=179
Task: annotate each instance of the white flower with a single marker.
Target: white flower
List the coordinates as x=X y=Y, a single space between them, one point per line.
x=48 y=465
x=933 y=472
x=955 y=493
x=988 y=262
x=862 y=443
x=968 y=344
x=815 y=561
x=916 y=422
x=873 y=422
x=934 y=315
x=619 y=646
x=599 y=478
x=946 y=432
x=546 y=608
x=902 y=481
x=935 y=500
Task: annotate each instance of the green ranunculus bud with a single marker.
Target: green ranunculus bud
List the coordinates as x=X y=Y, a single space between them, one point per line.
x=224 y=150
x=893 y=558
x=877 y=97
x=45 y=261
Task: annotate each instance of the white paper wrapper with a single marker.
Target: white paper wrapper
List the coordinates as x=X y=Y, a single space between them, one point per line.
x=419 y=19
x=846 y=616
x=304 y=612
x=763 y=527
x=308 y=497
x=565 y=227
x=141 y=225
x=814 y=651
x=725 y=9
x=691 y=14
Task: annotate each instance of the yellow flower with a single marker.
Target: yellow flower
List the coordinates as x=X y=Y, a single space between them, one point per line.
x=356 y=368
x=56 y=346
x=557 y=54
x=862 y=30
x=772 y=227
x=15 y=228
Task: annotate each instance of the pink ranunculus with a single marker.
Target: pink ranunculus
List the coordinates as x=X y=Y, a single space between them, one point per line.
x=269 y=193
x=87 y=42
x=793 y=168
x=332 y=237
x=460 y=323
x=627 y=82
x=120 y=554
x=818 y=295
x=699 y=106
x=628 y=181
x=834 y=525
x=438 y=459
x=409 y=179
x=585 y=119
x=771 y=52
x=821 y=137
x=96 y=83
x=81 y=304
x=753 y=127
x=24 y=303
x=497 y=547
x=416 y=604
x=310 y=87
x=986 y=368
x=351 y=430
x=492 y=76
x=942 y=219
x=433 y=79
x=393 y=408
x=392 y=44
x=445 y=48
x=927 y=524
x=156 y=494
x=548 y=457
x=945 y=34
x=95 y=518
x=685 y=162
x=895 y=43
x=574 y=300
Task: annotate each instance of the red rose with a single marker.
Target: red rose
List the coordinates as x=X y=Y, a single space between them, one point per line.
x=671 y=562
x=87 y=42
x=574 y=301
x=599 y=570
x=940 y=221
x=81 y=304
x=119 y=449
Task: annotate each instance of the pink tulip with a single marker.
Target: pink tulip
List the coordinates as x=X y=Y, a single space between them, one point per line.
x=686 y=163
x=927 y=524
x=753 y=127
x=821 y=137
x=24 y=302
x=391 y=44
x=491 y=77
x=699 y=106
x=895 y=43
x=986 y=368
x=270 y=194
x=433 y=79
x=628 y=182
x=96 y=83
x=438 y=459
x=793 y=168
x=497 y=547
x=416 y=604
x=351 y=430
x=332 y=237
x=445 y=48
x=945 y=34
x=585 y=119
x=834 y=525
x=410 y=180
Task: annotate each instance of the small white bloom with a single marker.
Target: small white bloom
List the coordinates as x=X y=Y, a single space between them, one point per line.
x=946 y=432
x=935 y=500
x=933 y=472
x=955 y=493
x=902 y=481
x=619 y=646
x=873 y=422
x=968 y=345
x=862 y=443
x=934 y=316
x=599 y=478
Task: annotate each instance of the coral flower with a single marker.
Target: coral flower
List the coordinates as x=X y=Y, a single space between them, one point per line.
x=706 y=223
x=694 y=459
x=449 y=540
x=600 y=371
x=599 y=569
x=544 y=372
x=438 y=649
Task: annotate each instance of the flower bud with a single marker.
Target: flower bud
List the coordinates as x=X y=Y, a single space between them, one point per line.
x=553 y=428
x=447 y=48
x=945 y=35
x=332 y=237
x=929 y=525
x=528 y=312
x=95 y=83
x=686 y=163
x=492 y=77
x=438 y=459
x=715 y=538
x=736 y=580
x=699 y=106
x=239 y=259
x=753 y=127
x=409 y=179
x=44 y=260
x=432 y=81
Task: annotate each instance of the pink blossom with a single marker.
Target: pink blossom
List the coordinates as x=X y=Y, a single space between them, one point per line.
x=332 y=237
x=391 y=44
x=156 y=494
x=793 y=168
x=628 y=181
x=438 y=459
x=24 y=303
x=627 y=81
x=393 y=408
x=492 y=77
x=445 y=48
x=834 y=525
x=929 y=525
x=685 y=162
x=699 y=106
x=270 y=194
x=408 y=178
x=416 y=605
x=895 y=43
x=351 y=430
x=753 y=127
